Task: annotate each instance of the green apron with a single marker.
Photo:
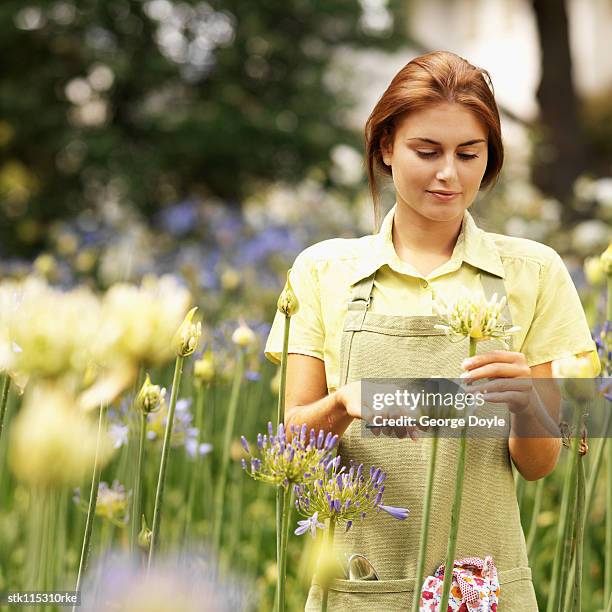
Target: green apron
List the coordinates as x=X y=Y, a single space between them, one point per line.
x=382 y=346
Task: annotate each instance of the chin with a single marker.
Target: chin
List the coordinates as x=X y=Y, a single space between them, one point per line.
x=442 y=212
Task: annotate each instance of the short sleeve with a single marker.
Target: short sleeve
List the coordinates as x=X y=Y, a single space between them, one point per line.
x=559 y=327
x=306 y=332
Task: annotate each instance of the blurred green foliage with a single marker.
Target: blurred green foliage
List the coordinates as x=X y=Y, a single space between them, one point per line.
x=153 y=101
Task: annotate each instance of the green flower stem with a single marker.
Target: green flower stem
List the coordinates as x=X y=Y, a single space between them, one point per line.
x=288 y=498
x=6 y=384
x=575 y=574
x=159 y=496
x=533 y=523
x=609 y=606
x=330 y=548
x=194 y=480
x=597 y=462
x=425 y=521
x=283 y=372
x=61 y=540
x=93 y=499
x=280 y=416
x=35 y=530
x=279 y=505
x=229 y=429
x=209 y=427
x=588 y=498
x=557 y=588
x=137 y=482
x=608 y=561
x=48 y=558
x=236 y=510
x=43 y=561
x=452 y=538
x=571 y=525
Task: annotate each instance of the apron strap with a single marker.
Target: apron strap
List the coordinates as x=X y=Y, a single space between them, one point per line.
x=494 y=284
x=361 y=296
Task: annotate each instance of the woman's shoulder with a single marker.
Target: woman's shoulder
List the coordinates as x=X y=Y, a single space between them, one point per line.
x=513 y=247
x=336 y=251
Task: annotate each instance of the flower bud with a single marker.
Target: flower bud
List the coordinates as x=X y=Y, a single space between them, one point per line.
x=593 y=270
x=144 y=536
x=186 y=338
x=573 y=369
x=288 y=302
x=243 y=335
x=230 y=279
x=46 y=266
x=204 y=369
x=606 y=260
x=150 y=397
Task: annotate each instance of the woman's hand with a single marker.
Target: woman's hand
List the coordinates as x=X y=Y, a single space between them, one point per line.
x=359 y=408
x=511 y=382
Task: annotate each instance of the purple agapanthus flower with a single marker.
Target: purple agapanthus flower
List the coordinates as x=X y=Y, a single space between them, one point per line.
x=398 y=513
x=282 y=462
x=344 y=495
x=309 y=524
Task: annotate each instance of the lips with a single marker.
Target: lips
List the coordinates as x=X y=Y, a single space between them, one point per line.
x=444 y=197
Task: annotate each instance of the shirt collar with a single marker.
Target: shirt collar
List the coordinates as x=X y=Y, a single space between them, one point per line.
x=474 y=247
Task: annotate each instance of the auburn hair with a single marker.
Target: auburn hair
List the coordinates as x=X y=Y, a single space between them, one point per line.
x=440 y=76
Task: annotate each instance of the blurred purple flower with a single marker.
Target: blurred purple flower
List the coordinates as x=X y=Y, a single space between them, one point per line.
x=119 y=434
x=179 y=219
x=189 y=583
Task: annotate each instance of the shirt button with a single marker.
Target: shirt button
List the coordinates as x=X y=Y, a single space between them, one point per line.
x=424 y=283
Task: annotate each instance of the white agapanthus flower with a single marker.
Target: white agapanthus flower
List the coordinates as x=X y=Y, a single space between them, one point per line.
x=140 y=322
x=470 y=315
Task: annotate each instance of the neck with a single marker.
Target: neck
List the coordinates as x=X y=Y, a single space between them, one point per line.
x=415 y=235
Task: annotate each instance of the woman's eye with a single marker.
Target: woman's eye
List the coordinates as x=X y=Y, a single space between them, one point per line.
x=426 y=154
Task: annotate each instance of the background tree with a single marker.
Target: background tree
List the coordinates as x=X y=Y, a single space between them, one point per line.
x=563 y=151
x=155 y=101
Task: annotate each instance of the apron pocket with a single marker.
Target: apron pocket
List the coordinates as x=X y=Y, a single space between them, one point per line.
x=364 y=595
x=516 y=594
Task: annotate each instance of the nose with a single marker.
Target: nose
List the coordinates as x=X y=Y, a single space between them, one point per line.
x=447 y=171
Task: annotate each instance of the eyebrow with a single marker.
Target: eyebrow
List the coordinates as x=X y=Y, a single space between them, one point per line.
x=463 y=144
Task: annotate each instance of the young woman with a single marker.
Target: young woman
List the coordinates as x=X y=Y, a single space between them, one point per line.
x=366 y=312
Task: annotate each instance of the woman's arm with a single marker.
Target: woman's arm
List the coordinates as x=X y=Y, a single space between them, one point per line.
x=307 y=400
x=537 y=457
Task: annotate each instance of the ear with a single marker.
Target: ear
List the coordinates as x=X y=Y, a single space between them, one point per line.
x=386 y=145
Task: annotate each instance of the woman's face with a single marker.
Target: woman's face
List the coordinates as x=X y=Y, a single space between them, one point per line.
x=441 y=148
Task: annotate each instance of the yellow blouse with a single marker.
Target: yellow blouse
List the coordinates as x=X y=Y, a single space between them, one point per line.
x=541 y=295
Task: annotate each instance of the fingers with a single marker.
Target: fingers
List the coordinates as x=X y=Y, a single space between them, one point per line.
x=500 y=385
x=497 y=370
x=497 y=356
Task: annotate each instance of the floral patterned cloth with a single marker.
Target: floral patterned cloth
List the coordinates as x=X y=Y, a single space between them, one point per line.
x=474 y=588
